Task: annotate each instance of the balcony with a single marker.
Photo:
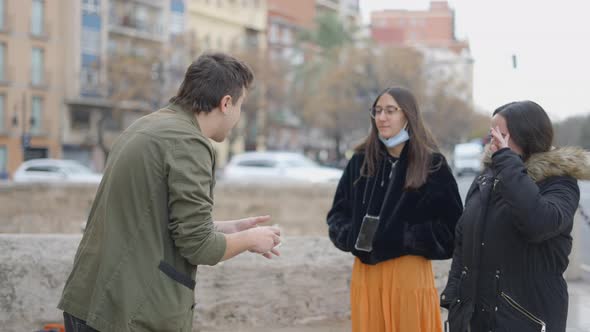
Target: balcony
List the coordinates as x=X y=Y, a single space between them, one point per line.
x=130 y=26
x=91 y=90
x=330 y=4
x=40 y=81
x=153 y=3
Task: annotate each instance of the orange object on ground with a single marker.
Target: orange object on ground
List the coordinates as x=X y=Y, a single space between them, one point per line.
x=397 y=295
x=54 y=327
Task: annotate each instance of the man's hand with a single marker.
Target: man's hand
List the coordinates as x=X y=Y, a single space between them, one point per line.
x=264 y=240
x=233 y=226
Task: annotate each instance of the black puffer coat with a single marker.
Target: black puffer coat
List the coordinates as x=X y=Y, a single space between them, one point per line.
x=513 y=242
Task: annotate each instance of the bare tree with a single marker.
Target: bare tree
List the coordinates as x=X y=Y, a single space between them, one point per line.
x=142 y=82
x=267 y=94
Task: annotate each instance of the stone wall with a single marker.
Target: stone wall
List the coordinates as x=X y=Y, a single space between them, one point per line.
x=298 y=209
x=307 y=284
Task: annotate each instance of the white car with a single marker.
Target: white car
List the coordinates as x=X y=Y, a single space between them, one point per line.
x=467 y=158
x=278 y=167
x=55 y=170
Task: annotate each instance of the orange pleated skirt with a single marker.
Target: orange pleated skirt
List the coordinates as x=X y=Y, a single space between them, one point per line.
x=397 y=295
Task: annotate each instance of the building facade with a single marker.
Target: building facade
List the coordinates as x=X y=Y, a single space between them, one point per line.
x=31 y=81
x=432 y=32
x=120 y=70
x=238 y=27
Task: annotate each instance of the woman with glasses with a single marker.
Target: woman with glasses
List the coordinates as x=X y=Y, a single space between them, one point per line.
x=395 y=209
x=514 y=238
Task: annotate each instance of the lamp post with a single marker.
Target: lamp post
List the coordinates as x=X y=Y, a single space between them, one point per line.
x=25 y=135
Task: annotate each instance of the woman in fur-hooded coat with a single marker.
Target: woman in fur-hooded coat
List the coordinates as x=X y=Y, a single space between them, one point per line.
x=513 y=239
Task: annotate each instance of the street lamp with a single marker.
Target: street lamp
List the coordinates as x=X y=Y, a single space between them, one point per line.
x=25 y=136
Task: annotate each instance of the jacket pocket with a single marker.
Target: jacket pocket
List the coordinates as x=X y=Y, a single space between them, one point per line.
x=168 y=306
x=456 y=314
x=180 y=278
x=517 y=317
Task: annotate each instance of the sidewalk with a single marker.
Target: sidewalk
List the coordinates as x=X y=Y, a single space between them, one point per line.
x=578 y=316
x=579 y=308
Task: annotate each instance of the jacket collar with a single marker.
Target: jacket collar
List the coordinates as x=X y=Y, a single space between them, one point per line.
x=188 y=114
x=566 y=161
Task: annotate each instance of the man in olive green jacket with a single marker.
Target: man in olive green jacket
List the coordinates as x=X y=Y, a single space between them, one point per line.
x=150 y=225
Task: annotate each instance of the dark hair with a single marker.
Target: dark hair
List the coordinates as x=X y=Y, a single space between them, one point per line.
x=528 y=125
x=209 y=78
x=421 y=144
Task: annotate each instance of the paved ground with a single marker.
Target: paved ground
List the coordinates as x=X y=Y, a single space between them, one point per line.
x=578 y=318
x=579 y=307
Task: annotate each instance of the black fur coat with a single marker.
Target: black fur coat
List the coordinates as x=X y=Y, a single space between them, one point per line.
x=419 y=222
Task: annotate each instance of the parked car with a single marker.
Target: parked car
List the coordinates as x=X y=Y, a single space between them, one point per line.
x=278 y=167
x=467 y=158
x=55 y=170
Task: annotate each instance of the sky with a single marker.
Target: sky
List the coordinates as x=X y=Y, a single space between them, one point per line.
x=551 y=40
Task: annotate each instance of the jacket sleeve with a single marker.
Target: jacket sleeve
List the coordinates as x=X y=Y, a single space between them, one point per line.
x=340 y=215
x=190 y=177
x=449 y=208
x=541 y=215
x=451 y=292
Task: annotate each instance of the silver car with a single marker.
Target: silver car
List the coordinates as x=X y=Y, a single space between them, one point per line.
x=55 y=170
x=277 y=167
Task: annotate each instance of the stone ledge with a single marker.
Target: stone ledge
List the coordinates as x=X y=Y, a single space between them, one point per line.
x=307 y=284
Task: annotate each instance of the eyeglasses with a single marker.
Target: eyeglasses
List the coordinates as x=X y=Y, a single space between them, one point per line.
x=389 y=110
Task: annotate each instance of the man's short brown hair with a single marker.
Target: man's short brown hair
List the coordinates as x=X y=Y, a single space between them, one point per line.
x=209 y=78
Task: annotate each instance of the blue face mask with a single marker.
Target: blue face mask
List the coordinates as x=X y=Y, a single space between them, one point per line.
x=393 y=141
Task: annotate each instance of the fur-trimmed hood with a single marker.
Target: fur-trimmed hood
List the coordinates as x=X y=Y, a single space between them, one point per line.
x=570 y=161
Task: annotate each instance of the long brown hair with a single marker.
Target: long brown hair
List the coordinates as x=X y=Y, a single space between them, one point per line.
x=421 y=144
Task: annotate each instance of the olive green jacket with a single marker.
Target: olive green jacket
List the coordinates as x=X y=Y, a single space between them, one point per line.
x=149 y=227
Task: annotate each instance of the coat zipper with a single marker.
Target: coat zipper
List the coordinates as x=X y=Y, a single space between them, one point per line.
x=525 y=312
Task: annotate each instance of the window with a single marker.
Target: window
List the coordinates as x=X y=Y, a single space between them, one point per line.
x=287 y=37
x=176 y=23
x=89 y=77
x=37 y=17
x=207 y=41
x=113 y=46
x=274 y=33
x=36 y=114
x=2 y=52
x=258 y=163
x=2 y=113
x=142 y=18
x=46 y=169
x=90 y=41
x=80 y=119
x=251 y=39
x=37 y=66
x=1 y=14
x=3 y=161
x=91 y=7
x=112 y=121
